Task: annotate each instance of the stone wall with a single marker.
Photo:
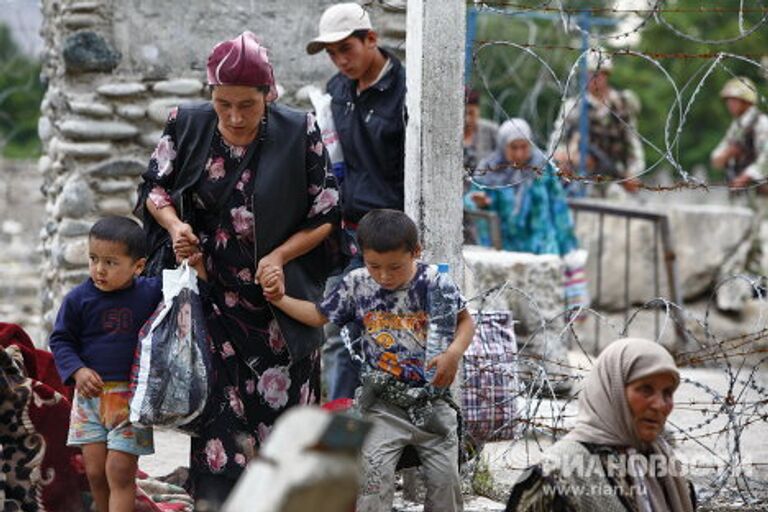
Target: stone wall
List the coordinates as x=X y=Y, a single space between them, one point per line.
x=22 y=209
x=114 y=70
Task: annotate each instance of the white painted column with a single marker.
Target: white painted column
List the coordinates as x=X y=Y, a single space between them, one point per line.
x=435 y=40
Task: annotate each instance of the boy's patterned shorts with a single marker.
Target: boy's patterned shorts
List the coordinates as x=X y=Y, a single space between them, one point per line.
x=104 y=419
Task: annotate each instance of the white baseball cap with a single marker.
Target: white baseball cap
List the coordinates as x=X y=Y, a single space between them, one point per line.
x=338 y=22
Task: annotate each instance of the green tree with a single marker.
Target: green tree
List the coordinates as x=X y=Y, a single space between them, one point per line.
x=707 y=119
x=20 y=95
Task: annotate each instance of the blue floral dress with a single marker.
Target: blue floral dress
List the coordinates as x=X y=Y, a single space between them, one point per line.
x=246 y=400
x=530 y=203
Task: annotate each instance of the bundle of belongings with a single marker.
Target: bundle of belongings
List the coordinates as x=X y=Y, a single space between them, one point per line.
x=40 y=472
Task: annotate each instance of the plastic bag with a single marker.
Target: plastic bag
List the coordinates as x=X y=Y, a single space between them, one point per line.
x=491 y=387
x=172 y=369
x=321 y=102
x=576 y=288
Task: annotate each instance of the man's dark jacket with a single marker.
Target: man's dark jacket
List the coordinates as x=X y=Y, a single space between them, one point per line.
x=371 y=128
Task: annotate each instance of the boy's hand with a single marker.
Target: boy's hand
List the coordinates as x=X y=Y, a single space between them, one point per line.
x=87 y=382
x=267 y=265
x=273 y=284
x=447 y=365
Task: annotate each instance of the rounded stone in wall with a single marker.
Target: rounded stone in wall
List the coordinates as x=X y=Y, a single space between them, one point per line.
x=115 y=206
x=44 y=128
x=116 y=90
x=132 y=112
x=159 y=109
x=119 y=167
x=86 y=51
x=92 y=109
x=72 y=278
x=83 y=6
x=84 y=149
x=75 y=254
x=75 y=201
x=97 y=130
x=115 y=186
x=44 y=164
x=180 y=87
x=150 y=139
x=75 y=20
x=72 y=227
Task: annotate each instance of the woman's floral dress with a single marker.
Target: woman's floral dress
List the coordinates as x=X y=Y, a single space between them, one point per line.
x=246 y=400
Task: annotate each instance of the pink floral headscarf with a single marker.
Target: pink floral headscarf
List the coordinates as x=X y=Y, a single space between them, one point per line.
x=241 y=61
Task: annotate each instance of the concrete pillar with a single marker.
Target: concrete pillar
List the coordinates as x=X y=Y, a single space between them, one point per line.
x=434 y=47
x=433 y=153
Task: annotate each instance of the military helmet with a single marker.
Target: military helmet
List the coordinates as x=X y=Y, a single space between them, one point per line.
x=741 y=88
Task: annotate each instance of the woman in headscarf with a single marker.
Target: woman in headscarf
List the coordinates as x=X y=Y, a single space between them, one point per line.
x=615 y=458
x=246 y=182
x=518 y=183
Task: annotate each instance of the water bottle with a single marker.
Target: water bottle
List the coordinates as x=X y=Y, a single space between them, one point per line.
x=339 y=169
x=442 y=319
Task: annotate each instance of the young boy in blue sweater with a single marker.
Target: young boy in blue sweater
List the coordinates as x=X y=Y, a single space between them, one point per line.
x=392 y=301
x=93 y=344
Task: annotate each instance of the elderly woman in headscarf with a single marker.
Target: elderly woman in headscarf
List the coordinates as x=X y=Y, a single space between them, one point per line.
x=615 y=458
x=520 y=185
x=246 y=183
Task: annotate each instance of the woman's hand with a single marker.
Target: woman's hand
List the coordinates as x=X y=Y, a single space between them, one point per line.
x=268 y=264
x=185 y=242
x=480 y=199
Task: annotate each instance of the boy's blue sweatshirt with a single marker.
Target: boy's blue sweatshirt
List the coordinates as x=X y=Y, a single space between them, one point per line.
x=100 y=330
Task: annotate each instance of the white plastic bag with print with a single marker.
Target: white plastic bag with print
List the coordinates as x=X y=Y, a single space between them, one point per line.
x=321 y=102
x=172 y=368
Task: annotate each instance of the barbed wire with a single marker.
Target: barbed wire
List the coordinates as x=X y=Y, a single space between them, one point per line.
x=732 y=406
x=721 y=406
x=677 y=113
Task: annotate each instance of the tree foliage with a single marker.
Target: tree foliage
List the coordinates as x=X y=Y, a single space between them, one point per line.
x=20 y=95
x=522 y=86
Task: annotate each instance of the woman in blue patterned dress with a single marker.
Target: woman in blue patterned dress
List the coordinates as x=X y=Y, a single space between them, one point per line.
x=520 y=185
x=253 y=181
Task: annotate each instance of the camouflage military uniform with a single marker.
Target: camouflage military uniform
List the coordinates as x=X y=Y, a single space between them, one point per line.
x=614 y=143
x=750 y=132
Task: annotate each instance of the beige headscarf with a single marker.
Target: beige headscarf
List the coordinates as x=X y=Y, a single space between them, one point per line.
x=605 y=418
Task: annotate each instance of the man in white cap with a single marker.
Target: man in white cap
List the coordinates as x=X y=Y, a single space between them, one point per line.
x=614 y=149
x=743 y=152
x=368 y=106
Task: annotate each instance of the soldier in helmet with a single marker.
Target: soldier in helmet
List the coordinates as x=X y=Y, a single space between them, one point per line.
x=614 y=149
x=743 y=152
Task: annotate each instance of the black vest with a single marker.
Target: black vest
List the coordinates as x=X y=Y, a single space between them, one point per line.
x=281 y=201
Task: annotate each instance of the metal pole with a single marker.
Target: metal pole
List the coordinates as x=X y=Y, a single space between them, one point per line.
x=627 y=251
x=599 y=280
x=471 y=36
x=670 y=263
x=585 y=23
